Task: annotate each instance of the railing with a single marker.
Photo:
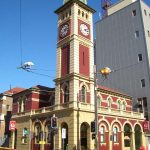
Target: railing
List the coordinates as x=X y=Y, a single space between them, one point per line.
x=83 y=107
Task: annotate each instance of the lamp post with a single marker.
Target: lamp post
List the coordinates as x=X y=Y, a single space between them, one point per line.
x=104 y=72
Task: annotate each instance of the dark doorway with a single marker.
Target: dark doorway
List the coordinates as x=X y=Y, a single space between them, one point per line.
x=83 y=136
x=138 y=138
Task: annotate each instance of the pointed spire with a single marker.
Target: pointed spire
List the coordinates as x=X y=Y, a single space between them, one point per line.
x=83 y=1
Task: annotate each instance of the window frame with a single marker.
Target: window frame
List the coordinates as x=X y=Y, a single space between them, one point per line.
x=83 y=94
x=115 y=135
x=143 y=84
x=140 y=57
x=137 y=34
x=102 y=134
x=134 y=12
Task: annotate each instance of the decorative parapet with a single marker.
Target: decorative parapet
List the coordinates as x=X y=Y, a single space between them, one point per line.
x=83 y=107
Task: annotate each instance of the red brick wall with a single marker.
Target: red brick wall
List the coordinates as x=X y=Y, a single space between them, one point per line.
x=119 y=143
x=15 y=108
x=84 y=60
x=88 y=97
x=105 y=146
x=65 y=60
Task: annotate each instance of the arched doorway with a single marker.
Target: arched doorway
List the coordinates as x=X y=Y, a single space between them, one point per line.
x=83 y=136
x=138 y=137
x=127 y=137
x=36 y=138
x=64 y=131
x=49 y=137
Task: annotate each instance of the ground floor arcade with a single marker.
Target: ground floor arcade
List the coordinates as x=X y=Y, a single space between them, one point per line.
x=73 y=132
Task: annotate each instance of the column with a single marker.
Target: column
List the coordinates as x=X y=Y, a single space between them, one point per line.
x=122 y=139
x=143 y=139
x=13 y=139
x=133 y=141
x=111 y=139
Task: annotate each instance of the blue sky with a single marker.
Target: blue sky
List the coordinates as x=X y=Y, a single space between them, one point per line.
x=38 y=38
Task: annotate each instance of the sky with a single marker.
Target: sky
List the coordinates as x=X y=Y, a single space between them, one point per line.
x=28 y=32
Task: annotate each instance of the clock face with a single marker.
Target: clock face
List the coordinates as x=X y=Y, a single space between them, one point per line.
x=84 y=29
x=64 y=29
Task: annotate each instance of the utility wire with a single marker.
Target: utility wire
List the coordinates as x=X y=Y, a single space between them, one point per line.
x=29 y=70
x=125 y=67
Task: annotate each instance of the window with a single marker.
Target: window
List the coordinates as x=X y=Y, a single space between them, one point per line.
x=37 y=133
x=119 y=105
x=143 y=83
x=79 y=12
x=109 y=103
x=145 y=12
x=98 y=101
x=86 y=16
x=124 y=106
x=134 y=13
x=140 y=57
x=137 y=34
x=49 y=134
x=115 y=134
x=66 y=94
x=83 y=93
x=24 y=138
x=82 y=14
x=145 y=108
x=102 y=134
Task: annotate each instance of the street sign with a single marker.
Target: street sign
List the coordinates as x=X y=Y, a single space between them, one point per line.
x=12 y=125
x=146 y=126
x=63 y=133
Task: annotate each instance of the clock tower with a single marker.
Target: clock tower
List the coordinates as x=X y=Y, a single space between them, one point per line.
x=75 y=54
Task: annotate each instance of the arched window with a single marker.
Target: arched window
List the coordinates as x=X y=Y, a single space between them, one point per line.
x=115 y=134
x=19 y=105
x=37 y=133
x=49 y=138
x=109 y=103
x=64 y=127
x=83 y=137
x=138 y=136
x=79 y=12
x=83 y=93
x=127 y=135
x=102 y=134
x=24 y=138
x=66 y=94
x=98 y=101
x=119 y=105
x=23 y=104
x=82 y=14
x=124 y=106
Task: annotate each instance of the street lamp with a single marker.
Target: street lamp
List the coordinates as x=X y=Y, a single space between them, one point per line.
x=104 y=72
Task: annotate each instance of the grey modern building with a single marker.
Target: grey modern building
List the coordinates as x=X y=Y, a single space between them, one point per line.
x=123 y=44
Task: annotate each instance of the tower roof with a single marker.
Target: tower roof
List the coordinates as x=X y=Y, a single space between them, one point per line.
x=70 y=2
x=84 y=1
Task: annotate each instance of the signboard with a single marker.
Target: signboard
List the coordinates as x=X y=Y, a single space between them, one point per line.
x=146 y=126
x=12 y=125
x=63 y=133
